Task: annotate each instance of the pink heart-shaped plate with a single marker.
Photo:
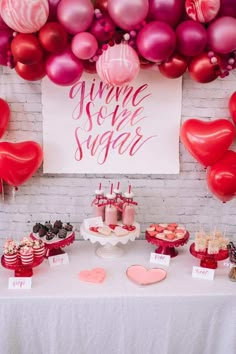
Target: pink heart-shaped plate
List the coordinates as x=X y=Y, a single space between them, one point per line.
x=143 y=276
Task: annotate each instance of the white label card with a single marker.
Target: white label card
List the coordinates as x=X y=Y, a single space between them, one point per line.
x=58 y=260
x=20 y=283
x=95 y=222
x=203 y=273
x=158 y=258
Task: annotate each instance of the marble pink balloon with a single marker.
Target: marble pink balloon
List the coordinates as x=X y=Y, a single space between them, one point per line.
x=25 y=16
x=202 y=10
x=118 y=65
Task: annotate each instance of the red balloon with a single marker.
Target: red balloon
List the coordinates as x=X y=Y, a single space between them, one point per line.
x=101 y=5
x=4 y=116
x=174 y=67
x=89 y=66
x=26 y=49
x=207 y=141
x=53 y=37
x=19 y=161
x=232 y=106
x=31 y=72
x=169 y=11
x=221 y=177
x=202 y=70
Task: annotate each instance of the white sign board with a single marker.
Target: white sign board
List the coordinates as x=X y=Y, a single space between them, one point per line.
x=92 y=127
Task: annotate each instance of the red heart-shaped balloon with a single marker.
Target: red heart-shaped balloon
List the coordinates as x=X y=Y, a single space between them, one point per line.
x=19 y=161
x=4 y=116
x=232 y=106
x=207 y=141
x=221 y=177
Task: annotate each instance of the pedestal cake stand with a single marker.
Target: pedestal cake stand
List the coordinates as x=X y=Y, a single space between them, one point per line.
x=209 y=260
x=109 y=248
x=167 y=247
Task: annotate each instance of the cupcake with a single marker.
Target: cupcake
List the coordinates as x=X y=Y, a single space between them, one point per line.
x=38 y=249
x=10 y=252
x=26 y=255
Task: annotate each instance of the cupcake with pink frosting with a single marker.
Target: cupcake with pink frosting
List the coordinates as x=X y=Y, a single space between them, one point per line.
x=10 y=252
x=26 y=255
x=38 y=248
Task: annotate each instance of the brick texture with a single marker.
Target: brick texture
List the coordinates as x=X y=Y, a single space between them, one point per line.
x=182 y=198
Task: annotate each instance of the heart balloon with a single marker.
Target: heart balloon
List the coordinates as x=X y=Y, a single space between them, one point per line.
x=207 y=141
x=4 y=116
x=221 y=177
x=19 y=161
x=232 y=106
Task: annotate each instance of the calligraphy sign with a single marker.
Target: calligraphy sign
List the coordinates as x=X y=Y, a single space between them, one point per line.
x=92 y=127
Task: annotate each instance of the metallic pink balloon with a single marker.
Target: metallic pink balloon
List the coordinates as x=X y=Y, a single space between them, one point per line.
x=222 y=35
x=24 y=16
x=202 y=10
x=64 y=69
x=118 y=65
x=191 y=38
x=5 y=40
x=76 y=16
x=103 y=28
x=84 y=45
x=169 y=11
x=156 y=41
x=227 y=8
x=128 y=14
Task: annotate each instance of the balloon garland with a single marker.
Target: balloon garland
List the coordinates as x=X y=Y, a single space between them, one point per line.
x=63 y=38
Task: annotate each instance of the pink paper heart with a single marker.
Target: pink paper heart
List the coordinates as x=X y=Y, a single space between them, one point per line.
x=96 y=275
x=143 y=276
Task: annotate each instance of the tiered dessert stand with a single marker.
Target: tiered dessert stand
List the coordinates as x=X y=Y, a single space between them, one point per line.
x=109 y=248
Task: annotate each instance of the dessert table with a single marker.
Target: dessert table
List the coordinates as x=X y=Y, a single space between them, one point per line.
x=62 y=314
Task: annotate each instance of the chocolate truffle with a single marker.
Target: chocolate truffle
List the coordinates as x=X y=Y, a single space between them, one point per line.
x=68 y=227
x=58 y=224
x=62 y=233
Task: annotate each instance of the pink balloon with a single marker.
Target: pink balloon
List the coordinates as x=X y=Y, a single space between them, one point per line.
x=5 y=40
x=202 y=10
x=24 y=16
x=103 y=28
x=118 y=65
x=84 y=45
x=156 y=41
x=227 y=8
x=128 y=14
x=222 y=35
x=64 y=69
x=76 y=16
x=169 y=11
x=191 y=38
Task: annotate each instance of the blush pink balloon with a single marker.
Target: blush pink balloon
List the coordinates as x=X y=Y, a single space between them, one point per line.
x=118 y=65
x=128 y=14
x=227 y=8
x=24 y=16
x=76 y=16
x=222 y=35
x=191 y=38
x=156 y=41
x=169 y=11
x=202 y=10
x=84 y=45
x=64 y=69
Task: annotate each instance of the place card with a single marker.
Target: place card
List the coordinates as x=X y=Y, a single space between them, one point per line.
x=203 y=273
x=158 y=258
x=95 y=222
x=19 y=283
x=228 y=264
x=59 y=259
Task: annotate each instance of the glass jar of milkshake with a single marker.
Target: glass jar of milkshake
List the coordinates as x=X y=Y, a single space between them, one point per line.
x=128 y=214
x=98 y=204
x=111 y=209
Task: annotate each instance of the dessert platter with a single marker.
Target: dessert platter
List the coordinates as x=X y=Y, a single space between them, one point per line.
x=109 y=236
x=167 y=237
x=24 y=257
x=55 y=236
x=210 y=248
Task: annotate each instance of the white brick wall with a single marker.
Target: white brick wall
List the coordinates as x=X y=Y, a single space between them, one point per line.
x=183 y=198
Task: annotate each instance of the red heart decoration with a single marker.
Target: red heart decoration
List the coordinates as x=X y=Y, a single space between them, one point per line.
x=4 y=116
x=221 y=177
x=207 y=141
x=232 y=106
x=19 y=161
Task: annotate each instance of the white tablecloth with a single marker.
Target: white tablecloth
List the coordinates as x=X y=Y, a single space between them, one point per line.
x=62 y=315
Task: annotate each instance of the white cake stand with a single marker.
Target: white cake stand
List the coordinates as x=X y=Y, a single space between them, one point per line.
x=109 y=248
